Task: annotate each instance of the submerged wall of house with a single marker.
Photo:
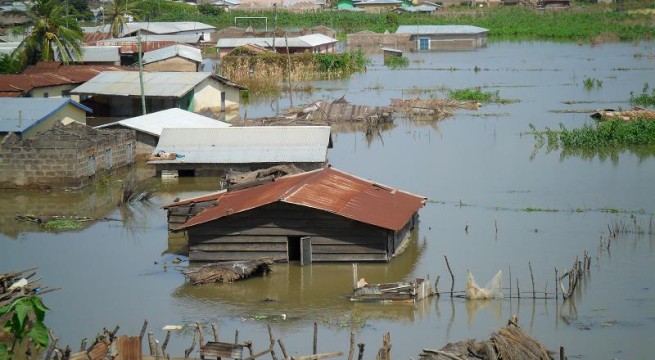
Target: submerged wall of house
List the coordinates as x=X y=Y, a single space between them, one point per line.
x=67 y=156
x=437 y=42
x=276 y=230
x=208 y=96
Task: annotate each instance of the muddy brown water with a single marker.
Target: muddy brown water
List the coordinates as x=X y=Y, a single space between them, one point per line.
x=476 y=167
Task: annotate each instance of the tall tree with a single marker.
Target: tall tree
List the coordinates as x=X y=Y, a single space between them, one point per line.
x=119 y=13
x=50 y=34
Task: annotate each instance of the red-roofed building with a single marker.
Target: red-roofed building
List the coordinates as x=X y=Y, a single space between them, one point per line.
x=50 y=79
x=324 y=215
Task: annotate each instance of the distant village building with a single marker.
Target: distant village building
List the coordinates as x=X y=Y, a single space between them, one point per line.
x=173 y=58
x=158 y=28
x=149 y=127
x=313 y=43
x=66 y=156
x=444 y=37
x=27 y=117
x=118 y=93
x=50 y=79
x=323 y=215
x=213 y=152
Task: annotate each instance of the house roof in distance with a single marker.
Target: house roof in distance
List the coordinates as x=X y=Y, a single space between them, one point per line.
x=154 y=123
x=245 y=145
x=325 y=189
x=440 y=29
x=20 y=114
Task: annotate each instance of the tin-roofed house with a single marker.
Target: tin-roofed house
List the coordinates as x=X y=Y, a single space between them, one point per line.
x=26 y=117
x=149 y=127
x=118 y=93
x=313 y=43
x=177 y=57
x=444 y=37
x=216 y=151
x=324 y=215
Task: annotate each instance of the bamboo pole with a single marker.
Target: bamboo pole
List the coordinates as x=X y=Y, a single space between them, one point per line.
x=452 y=277
x=351 y=348
x=283 y=348
x=532 y=278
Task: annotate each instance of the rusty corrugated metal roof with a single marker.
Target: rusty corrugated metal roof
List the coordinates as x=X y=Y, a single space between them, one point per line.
x=325 y=189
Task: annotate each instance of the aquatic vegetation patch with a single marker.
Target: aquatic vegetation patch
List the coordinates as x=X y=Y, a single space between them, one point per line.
x=476 y=94
x=396 y=62
x=611 y=133
x=645 y=98
x=590 y=83
x=62 y=225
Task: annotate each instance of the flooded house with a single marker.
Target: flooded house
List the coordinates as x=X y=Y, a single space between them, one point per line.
x=178 y=57
x=313 y=43
x=324 y=215
x=444 y=37
x=26 y=117
x=64 y=157
x=118 y=93
x=149 y=127
x=147 y=28
x=216 y=151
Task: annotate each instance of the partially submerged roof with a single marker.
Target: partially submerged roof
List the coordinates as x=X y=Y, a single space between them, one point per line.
x=326 y=189
x=305 y=41
x=246 y=145
x=161 y=27
x=20 y=114
x=154 y=123
x=440 y=29
x=178 y=50
x=169 y=84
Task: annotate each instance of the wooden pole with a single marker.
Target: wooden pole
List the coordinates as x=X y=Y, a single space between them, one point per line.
x=510 y=282
x=452 y=277
x=360 y=356
x=355 y=276
x=143 y=329
x=561 y=353
x=271 y=341
x=283 y=348
x=215 y=331
x=188 y=351
x=315 y=347
x=351 y=349
x=236 y=336
x=518 y=289
x=532 y=278
x=201 y=335
x=165 y=344
x=151 y=344
x=556 y=288
x=52 y=346
x=436 y=286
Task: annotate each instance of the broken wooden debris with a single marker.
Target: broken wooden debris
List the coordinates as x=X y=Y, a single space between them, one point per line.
x=508 y=343
x=241 y=180
x=627 y=115
x=431 y=109
x=406 y=291
x=228 y=271
x=19 y=284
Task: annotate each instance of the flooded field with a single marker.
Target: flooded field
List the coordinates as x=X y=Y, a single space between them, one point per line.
x=495 y=203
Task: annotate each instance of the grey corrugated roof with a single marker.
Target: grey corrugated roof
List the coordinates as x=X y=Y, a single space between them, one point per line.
x=154 y=123
x=156 y=84
x=244 y=145
x=183 y=38
x=99 y=54
x=306 y=41
x=440 y=29
x=183 y=51
x=20 y=114
x=161 y=27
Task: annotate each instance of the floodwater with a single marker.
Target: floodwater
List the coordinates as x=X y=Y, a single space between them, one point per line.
x=479 y=170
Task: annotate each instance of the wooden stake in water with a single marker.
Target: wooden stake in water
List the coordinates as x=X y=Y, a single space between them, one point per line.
x=452 y=277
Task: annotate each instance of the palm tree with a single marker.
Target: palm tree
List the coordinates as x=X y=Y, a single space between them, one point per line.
x=50 y=35
x=119 y=12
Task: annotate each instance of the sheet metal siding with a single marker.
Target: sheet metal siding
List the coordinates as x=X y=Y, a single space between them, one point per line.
x=440 y=29
x=326 y=189
x=156 y=84
x=241 y=145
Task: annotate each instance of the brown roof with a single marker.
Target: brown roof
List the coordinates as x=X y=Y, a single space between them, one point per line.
x=325 y=189
x=51 y=73
x=634 y=114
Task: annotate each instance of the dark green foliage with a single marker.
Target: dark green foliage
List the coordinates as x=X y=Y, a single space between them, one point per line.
x=603 y=134
x=24 y=319
x=209 y=9
x=9 y=64
x=590 y=83
x=344 y=64
x=643 y=99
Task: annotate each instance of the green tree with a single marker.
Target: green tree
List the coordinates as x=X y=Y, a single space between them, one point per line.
x=50 y=34
x=24 y=319
x=9 y=64
x=209 y=9
x=118 y=13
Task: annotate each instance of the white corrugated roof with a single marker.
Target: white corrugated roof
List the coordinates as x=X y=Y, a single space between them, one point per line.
x=243 y=145
x=183 y=38
x=305 y=41
x=101 y=54
x=439 y=29
x=126 y=83
x=183 y=51
x=154 y=123
x=161 y=27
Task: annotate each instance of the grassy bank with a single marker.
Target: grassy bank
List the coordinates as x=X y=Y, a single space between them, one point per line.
x=596 y=23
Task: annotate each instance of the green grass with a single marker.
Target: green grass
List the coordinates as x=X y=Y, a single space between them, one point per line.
x=62 y=225
x=644 y=99
x=604 y=134
x=474 y=94
x=396 y=62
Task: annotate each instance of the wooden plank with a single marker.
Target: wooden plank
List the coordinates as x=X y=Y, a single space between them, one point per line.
x=240 y=247
x=129 y=348
x=349 y=257
x=215 y=230
x=208 y=239
x=177 y=219
x=222 y=350
x=346 y=249
x=349 y=240
x=318 y=356
x=179 y=211
x=234 y=256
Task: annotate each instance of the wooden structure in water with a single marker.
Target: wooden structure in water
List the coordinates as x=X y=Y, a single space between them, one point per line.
x=323 y=215
x=404 y=291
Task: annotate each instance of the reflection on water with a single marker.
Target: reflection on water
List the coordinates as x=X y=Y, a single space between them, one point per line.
x=477 y=170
